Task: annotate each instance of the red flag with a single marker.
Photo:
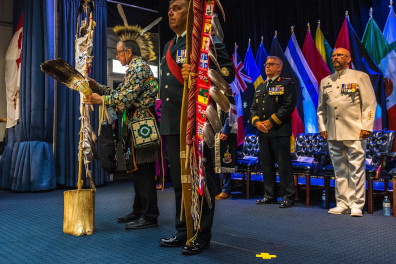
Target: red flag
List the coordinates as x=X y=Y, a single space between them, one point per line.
x=315 y=61
x=362 y=61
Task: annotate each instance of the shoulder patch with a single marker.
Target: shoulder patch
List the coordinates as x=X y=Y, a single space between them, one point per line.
x=225 y=71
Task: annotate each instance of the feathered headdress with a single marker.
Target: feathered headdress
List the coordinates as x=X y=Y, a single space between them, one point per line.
x=137 y=34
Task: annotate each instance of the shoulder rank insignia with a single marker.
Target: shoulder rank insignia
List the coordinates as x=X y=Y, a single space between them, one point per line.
x=225 y=71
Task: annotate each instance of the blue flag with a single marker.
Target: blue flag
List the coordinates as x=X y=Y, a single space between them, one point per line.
x=261 y=58
x=308 y=82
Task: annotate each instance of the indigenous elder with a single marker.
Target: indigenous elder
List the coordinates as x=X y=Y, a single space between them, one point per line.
x=271 y=110
x=135 y=99
x=346 y=112
x=171 y=94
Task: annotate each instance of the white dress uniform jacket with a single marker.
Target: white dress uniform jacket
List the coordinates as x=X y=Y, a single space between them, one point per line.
x=346 y=105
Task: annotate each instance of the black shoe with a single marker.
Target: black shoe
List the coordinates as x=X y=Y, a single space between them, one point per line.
x=141 y=223
x=173 y=241
x=266 y=201
x=286 y=204
x=127 y=218
x=195 y=248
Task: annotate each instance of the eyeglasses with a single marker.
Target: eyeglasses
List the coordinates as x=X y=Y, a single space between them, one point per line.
x=119 y=51
x=270 y=64
x=338 y=56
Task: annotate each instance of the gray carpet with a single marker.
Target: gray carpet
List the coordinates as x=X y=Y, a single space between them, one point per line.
x=31 y=232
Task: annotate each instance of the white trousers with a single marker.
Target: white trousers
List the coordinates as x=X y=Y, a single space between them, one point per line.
x=349 y=164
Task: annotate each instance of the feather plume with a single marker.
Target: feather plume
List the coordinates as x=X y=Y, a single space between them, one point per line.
x=152 y=24
x=220 y=98
x=213 y=118
x=122 y=14
x=134 y=33
x=208 y=135
x=216 y=28
x=221 y=9
x=214 y=60
x=219 y=81
x=61 y=71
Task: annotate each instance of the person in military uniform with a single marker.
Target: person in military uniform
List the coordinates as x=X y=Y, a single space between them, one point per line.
x=346 y=112
x=273 y=104
x=171 y=95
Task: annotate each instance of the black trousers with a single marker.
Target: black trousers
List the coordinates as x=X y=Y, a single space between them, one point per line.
x=277 y=149
x=145 y=203
x=173 y=153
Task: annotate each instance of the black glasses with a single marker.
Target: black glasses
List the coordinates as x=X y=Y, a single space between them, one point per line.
x=338 y=55
x=270 y=64
x=119 y=51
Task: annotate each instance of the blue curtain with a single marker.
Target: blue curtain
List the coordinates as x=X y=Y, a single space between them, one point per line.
x=28 y=163
x=67 y=117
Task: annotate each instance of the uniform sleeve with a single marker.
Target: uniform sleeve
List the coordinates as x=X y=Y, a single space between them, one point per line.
x=321 y=113
x=368 y=101
x=225 y=62
x=226 y=128
x=288 y=105
x=254 y=110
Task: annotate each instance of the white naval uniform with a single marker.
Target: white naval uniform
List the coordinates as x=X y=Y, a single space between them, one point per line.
x=343 y=115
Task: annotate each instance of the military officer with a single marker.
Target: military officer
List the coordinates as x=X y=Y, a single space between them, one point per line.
x=273 y=104
x=171 y=95
x=346 y=113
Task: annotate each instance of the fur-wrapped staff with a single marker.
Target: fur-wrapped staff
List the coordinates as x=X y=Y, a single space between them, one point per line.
x=79 y=205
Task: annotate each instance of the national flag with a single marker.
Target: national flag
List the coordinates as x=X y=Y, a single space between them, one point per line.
x=308 y=84
x=239 y=85
x=251 y=68
x=362 y=61
x=287 y=71
x=314 y=59
x=324 y=48
x=247 y=96
x=13 y=75
x=261 y=58
x=382 y=53
x=390 y=28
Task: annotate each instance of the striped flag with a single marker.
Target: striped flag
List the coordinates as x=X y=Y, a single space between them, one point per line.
x=288 y=72
x=308 y=83
x=362 y=61
x=324 y=48
x=238 y=87
x=382 y=53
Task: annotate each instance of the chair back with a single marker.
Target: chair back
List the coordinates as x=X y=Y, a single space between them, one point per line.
x=309 y=144
x=251 y=145
x=379 y=142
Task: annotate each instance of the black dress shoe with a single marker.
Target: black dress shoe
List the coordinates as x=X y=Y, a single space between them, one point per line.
x=173 y=241
x=286 y=204
x=266 y=201
x=141 y=223
x=127 y=218
x=195 y=248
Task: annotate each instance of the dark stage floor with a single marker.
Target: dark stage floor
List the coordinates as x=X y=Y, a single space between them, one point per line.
x=31 y=232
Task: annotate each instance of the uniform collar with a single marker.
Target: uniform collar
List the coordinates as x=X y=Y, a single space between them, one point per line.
x=273 y=79
x=181 y=36
x=342 y=72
